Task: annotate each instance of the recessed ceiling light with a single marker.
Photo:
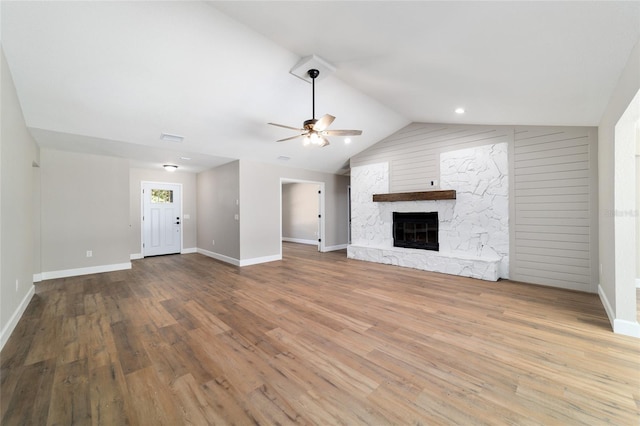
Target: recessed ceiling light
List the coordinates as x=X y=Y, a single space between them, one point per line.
x=459 y=110
x=171 y=138
x=170 y=167
x=185 y=158
x=347 y=140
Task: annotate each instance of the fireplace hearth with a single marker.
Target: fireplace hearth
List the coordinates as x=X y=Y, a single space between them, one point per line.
x=418 y=230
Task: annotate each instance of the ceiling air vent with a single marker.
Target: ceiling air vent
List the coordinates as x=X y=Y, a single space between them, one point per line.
x=171 y=138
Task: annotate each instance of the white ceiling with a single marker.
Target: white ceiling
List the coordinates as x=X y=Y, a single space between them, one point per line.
x=110 y=77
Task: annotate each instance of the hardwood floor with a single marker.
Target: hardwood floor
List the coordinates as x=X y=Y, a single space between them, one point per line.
x=313 y=339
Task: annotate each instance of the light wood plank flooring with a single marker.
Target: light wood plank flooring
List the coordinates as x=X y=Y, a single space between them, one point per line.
x=313 y=339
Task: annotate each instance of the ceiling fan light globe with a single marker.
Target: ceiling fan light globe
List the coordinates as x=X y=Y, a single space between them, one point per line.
x=315 y=139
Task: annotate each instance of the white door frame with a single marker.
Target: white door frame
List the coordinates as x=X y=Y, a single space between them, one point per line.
x=348 y=214
x=152 y=182
x=321 y=202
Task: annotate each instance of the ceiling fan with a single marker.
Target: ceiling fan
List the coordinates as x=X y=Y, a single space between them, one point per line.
x=314 y=131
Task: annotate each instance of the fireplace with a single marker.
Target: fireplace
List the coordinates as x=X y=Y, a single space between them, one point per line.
x=416 y=230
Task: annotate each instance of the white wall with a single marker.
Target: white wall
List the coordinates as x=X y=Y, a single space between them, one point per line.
x=300 y=212
x=18 y=180
x=618 y=296
x=85 y=206
x=188 y=182
x=637 y=204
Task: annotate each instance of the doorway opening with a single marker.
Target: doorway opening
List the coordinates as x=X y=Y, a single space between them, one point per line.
x=302 y=212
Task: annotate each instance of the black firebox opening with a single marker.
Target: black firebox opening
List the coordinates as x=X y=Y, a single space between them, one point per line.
x=416 y=230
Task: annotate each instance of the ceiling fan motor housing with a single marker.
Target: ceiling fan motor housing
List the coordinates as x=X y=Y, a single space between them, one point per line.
x=308 y=124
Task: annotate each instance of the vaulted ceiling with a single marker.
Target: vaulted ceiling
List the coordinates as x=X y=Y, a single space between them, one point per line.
x=110 y=77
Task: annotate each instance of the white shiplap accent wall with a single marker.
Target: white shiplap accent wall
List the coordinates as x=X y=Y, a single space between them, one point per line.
x=554 y=199
x=553 y=191
x=414 y=152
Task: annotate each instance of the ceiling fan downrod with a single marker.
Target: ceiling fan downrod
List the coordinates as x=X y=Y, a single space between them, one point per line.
x=313 y=73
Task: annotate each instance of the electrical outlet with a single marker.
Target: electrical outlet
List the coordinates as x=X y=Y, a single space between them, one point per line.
x=236 y=217
x=213 y=242
x=89 y=253
x=17 y=284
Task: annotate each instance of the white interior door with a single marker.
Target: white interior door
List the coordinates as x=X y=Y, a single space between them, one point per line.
x=162 y=218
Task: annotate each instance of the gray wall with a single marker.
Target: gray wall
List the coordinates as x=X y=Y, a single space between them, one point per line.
x=260 y=205
x=414 y=152
x=18 y=179
x=300 y=212
x=218 y=195
x=85 y=206
x=619 y=295
x=554 y=207
x=188 y=182
x=552 y=181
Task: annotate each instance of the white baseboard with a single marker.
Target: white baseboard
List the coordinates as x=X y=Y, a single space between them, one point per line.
x=314 y=243
x=627 y=328
x=257 y=260
x=300 y=241
x=85 y=271
x=334 y=248
x=136 y=256
x=220 y=257
x=13 y=321
x=37 y=278
x=189 y=250
x=607 y=306
x=237 y=262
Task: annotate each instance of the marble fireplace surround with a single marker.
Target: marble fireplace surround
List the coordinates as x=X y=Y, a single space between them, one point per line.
x=473 y=229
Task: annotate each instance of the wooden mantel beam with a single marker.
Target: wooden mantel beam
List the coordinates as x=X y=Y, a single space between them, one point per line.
x=444 y=194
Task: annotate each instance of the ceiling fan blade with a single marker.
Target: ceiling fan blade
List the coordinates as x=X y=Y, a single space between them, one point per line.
x=324 y=122
x=324 y=142
x=292 y=137
x=342 y=132
x=286 y=127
